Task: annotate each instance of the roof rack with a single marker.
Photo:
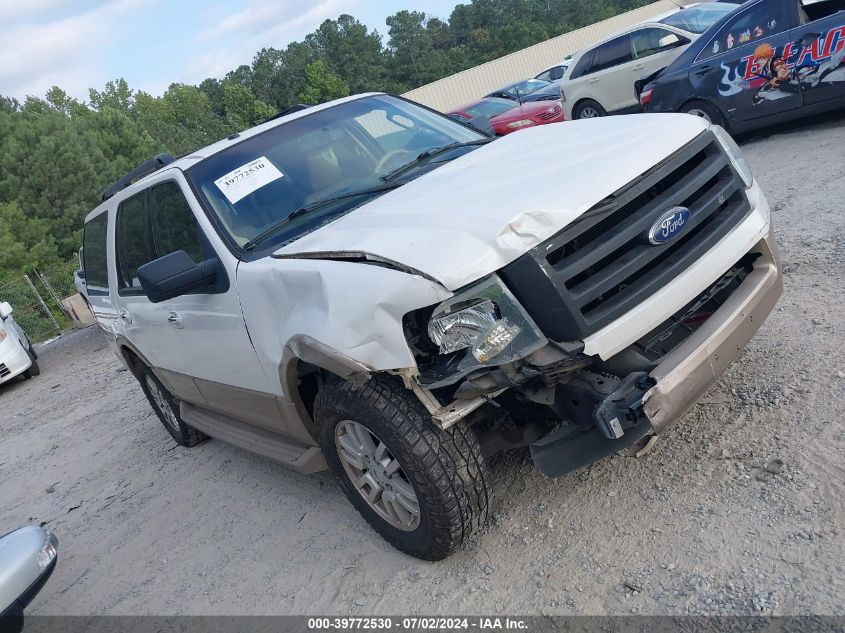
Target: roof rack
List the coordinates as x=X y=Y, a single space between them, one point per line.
x=296 y=107
x=144 y=169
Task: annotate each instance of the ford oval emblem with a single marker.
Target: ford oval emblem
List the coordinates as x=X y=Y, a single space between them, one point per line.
x=669 y=225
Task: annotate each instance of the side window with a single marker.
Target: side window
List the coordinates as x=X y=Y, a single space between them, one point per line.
x=583 y=66
x=94 y=251
x=135 y=246
x=763 y=19
x=544 y=76
x=651 y=41
x=612 y=53
x=175 y=222
x=555 y=73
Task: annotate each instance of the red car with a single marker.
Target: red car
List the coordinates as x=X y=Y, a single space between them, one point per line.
x=506 y=116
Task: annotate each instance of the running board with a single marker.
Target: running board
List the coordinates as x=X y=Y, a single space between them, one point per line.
x=302 y=458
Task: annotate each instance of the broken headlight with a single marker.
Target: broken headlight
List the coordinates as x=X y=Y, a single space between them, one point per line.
x=487 y=324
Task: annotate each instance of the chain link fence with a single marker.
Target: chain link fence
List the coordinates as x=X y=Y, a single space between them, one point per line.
x=36 y=300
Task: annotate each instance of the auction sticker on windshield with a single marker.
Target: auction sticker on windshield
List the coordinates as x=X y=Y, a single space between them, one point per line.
x=241 y=182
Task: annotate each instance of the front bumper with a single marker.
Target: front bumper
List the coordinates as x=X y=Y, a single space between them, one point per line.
x=691 y=369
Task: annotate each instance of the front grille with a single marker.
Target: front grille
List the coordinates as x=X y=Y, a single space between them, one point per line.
x=550 y=115
x=678 y=327
x=4 y=371
x=603 y=264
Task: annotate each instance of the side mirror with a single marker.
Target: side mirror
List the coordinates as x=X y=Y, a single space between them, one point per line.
x=5 y=309
x=177 y=274
x=27 y=558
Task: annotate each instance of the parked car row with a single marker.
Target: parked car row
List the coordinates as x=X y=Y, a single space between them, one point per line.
x=738 y=66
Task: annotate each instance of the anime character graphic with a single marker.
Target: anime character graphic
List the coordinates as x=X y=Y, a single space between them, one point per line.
x=730 y=41
x=758 y=31
x=745 y=36
x=828 y=71
x=772 y=70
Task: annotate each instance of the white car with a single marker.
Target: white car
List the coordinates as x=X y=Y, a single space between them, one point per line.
x=600 y=80
x=17 y=355
x=371 y=286
x=556 y=71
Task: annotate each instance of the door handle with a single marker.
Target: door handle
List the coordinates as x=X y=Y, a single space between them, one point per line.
x=594 y=80
x=703 y=70
x=175 y=319
x=639 y=66
x=125 y=316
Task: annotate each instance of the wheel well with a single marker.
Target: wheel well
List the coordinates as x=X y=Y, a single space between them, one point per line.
x=132 y=360
x=581 y=101
x=705 y=101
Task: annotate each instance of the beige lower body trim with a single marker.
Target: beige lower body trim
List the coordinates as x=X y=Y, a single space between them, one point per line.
x=690 y=369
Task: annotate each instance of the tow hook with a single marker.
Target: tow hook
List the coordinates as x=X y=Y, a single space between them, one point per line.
x=623 y=408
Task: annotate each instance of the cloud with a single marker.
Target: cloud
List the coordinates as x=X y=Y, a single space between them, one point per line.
x=235 y=38
x=65 y=51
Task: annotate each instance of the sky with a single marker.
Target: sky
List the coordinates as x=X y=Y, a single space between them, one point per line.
x=81 y=44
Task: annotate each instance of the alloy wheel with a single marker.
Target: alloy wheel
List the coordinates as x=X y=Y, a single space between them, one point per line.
x=163 y=403
x=377 y=475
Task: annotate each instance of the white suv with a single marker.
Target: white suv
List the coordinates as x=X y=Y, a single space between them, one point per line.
x=600 y=80
x=372 y=286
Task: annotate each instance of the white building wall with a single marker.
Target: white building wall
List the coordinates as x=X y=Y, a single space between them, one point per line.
x=473 y=83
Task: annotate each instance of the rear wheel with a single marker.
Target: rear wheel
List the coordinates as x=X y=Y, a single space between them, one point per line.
x=166 y=407
x=706 y=111
x=422 y=488
x=589 y=109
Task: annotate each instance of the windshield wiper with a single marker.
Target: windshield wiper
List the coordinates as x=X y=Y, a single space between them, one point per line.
x=313 y=206
x=429 y=154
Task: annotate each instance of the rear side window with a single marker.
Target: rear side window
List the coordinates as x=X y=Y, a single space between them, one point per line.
x=612 y=53
x=175 y=222
x=761 y=20
x=94 y=251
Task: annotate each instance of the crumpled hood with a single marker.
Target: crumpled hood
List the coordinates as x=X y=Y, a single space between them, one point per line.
x=478 y=213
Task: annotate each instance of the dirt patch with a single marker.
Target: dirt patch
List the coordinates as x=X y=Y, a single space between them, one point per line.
x=708 y=522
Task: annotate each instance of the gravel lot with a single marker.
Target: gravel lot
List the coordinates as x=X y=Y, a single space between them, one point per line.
x=697 y=526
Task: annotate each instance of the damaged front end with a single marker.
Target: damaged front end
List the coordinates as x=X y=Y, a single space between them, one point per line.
x=569 y=408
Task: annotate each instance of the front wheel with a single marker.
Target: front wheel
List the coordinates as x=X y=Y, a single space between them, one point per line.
x=589 y=109
x=422 y=488
x=34 y=369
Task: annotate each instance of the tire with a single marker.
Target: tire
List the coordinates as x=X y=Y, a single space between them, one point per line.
x=443 y=470
x=706 y=111
x=34 y=369
x=166 y=407
x=589 y=109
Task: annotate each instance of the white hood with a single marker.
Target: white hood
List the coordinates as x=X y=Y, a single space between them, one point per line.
x=480 y=212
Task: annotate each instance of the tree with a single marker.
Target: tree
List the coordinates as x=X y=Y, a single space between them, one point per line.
x=351 y=52
x=322 y=85
x=241 y=109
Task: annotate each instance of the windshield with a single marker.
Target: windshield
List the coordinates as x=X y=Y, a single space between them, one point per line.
x=489 y=109
x=700 y=18
x=261 y=181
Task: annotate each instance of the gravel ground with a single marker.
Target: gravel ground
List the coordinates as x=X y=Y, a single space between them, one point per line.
x=709 y=522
